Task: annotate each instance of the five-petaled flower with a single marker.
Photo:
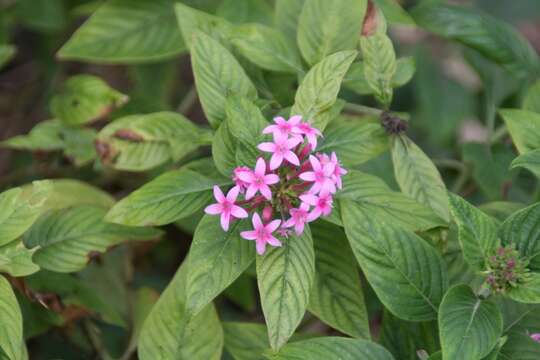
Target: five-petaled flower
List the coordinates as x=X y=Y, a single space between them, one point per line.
x=291 y=195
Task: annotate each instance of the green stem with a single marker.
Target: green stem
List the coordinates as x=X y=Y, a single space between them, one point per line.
x=461 y=180
x=498 y=134
x=450 y=164
x=188 y=101
x=362 y=109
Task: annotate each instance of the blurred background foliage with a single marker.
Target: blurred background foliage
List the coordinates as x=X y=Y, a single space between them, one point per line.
x=452 y=100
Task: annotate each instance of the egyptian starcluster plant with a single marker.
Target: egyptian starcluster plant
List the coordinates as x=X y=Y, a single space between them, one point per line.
x=269 y=179
x=294 y=187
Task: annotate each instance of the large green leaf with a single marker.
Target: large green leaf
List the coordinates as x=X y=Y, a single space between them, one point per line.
x=19 y=208
x=217 y=76
x=16 y=259
x=531 y=102
x=530 y=161
x=192 y=20
x=245 y=341
x=406 y=272
x=169 y=333
x=173 y=195
x=337 y=297
x=266 y=47
x=127 y=31
x=418 y=177
x=522 y=229
x=394 y=13
x=325 y=348
x=12 y=344
x=374 y=199
x=319 y=88
x=216 y=259
x=66 y=237
x=286 y=16
x=355 y=140
x=524 y=127
x=141 y=142
x=84 y=99
x=469 y=327
x=70 y=192
x=224 y=149
x=246 y=11
x=326 y=27
x=285 y=276
x=520 y=320
x=527 y=292
x=380 y=66
x=357 y=82
x=494 y=39
x=477 y=231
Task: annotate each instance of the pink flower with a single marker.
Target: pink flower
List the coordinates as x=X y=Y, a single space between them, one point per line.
x=262 y=234
x=320 y=176
x=536 y=337
x=310 y=133
x=282 y=126
x=236 y=176
x=322 y=204
x=281 y=149
x=338 y=170
x=298 y=218
x=226 y=206
x=258 y=180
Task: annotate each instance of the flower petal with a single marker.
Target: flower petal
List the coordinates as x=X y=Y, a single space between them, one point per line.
x=315 y=163
x=267 y=147
x=307 y=176
x=249 y=235
x=218 y=194
x=314 y=214
x=251 y=191
x=266 y=192
x=260 y=167
x=225 y=219
x=233 y=194
x=275 y=161
x=213 y=209
x=270 y=129
x=292 y=158
x=309 y=199
x=295 y=119
x=239 y=212
x=256 y=221
x=261 y=247
x=272 y=225
x=271 y=179
x=273 y=241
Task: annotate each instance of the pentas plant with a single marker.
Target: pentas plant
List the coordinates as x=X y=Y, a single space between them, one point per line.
x=293 y=187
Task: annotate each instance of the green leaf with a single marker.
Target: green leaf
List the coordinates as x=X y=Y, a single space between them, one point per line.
x=12 y=344
x=6 y=54
x=380 y=65
x=285 y=276
x=217 y=76
x=173 y=195
x=245 y=341
x=532 y=98
x=469 y=327
x=326 y=27
x=48 y=16
x=407 y=273
x=524 y=127
x=357 y=82
x=216 y=259
x=527 y=292
x=267 y=48
x=522 y=230
x=355 y=141
x=16 y=259
x=319 y=88
x=19 y=208
x=169 y=333
x=69 y=192
x=145 y=299
x=494 y=39
x=287 y=13
x=477 y=231
x=394 y=13
x=530 y=161
x=374 y=199
x=85 y=99
x=337 y=297
x=246 y=11
x=324 y=348
x=127 y=31
x=66 y=237
x=192 y=20
x=224 y=150
x=76 y=143
x=418 y=177
x=142 y=142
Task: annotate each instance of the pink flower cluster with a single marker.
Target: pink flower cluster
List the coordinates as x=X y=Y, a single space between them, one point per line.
x=295 y=183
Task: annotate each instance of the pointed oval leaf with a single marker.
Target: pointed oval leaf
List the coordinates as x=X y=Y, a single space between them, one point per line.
x=170 y=333
x=171 y=196
x=477 y=231
x=325 y=348
x=286 y=14
x=527 y=292
x=217 y=76
x=532 y=98
x=530 y=161
x=245 y=341
x=469 y=327
x=524 y=127
x=16 y=259
x=326 y=27
x=407 y=273
x=216 y=259
x=66 y=237
x=418 y=177
x=337 y=297
x=320 y=87
x=127 y=31
x=11 y=332
x=285 y=277
x=192 y=20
